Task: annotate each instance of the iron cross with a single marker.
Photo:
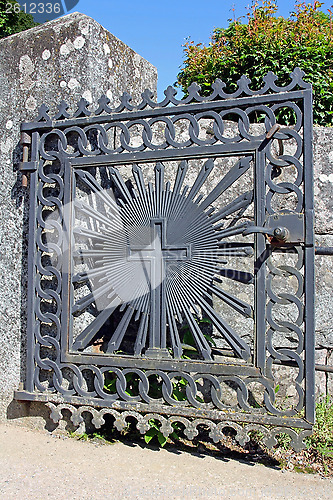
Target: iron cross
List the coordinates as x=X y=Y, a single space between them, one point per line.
x=155 y=254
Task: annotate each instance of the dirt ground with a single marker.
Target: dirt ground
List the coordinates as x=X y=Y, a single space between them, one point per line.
x=38 y=465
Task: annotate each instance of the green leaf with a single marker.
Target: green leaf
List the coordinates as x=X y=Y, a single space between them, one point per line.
x=206 y=320
x=153 y=424
x=188 y=339
x=161 y=439
x=188 y=347
x=150 y=434
x=178 y=395
x=211 y=341
x=148 y=438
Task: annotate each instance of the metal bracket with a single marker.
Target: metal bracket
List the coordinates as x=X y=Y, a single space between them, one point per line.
x=25 y=141
x=28 y=166
x=282 y=227
x=324 y=250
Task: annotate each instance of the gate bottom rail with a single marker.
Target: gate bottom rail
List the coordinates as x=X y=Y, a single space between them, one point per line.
x=216 y=429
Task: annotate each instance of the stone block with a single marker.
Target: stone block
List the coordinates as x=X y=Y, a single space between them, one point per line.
x=323 y=179
x=321 y=377
x=323 y=297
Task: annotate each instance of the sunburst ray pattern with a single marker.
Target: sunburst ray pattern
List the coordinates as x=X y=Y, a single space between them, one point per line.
x=155 y=254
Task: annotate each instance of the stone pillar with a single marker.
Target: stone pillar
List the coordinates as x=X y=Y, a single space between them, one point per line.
x=66 y=59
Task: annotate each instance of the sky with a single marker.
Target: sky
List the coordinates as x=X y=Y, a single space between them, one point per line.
x=157 y=29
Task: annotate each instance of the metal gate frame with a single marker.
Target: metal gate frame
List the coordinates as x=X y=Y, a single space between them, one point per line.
x=54 y=353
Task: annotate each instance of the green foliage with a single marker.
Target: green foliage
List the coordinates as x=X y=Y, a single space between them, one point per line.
x=132 y=388
x=179 y=384
x=283 y=441
x=321 y=440
x=179 y=389
x=268 y=43
x=154 y=432
x=12 y=19
x=189 y=345
x=132 y=384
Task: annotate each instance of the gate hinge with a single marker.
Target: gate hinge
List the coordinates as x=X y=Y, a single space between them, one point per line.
x=28 y=166
x=281 y=228
x=25 y=141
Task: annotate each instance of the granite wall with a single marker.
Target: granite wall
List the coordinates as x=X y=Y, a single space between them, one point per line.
x=323 y=193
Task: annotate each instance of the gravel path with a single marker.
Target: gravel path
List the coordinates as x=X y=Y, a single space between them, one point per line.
x=37 y=465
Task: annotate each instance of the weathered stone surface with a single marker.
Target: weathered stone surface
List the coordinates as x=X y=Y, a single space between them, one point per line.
x=324 y=379
x=65 y=59
x=323 y=298
x=321 y=356
x=323 y=179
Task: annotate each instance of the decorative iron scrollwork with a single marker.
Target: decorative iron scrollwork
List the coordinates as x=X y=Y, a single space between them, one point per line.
x=156 y=262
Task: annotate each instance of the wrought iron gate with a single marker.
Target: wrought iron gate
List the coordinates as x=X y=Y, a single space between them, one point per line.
x=171 y=260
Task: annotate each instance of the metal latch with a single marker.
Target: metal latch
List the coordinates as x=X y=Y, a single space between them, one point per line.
x=281 y=228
